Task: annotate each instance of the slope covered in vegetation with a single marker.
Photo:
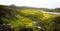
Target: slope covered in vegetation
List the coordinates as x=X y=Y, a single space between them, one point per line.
x=17 y=19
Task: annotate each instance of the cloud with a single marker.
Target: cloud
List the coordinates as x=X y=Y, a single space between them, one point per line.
x=33 y=3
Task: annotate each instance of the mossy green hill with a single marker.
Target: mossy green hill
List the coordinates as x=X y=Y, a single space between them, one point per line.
x=20 y=17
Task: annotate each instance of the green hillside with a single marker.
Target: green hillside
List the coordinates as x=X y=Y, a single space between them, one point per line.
x=54 y=10
x=19 y=19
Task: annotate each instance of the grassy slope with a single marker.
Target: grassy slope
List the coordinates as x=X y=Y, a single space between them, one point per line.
x=54 y=10
x=24 y=17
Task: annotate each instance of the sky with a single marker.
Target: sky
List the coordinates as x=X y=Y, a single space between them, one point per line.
x=33 y=3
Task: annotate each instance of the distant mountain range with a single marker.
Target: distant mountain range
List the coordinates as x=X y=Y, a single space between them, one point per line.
x=26 y=7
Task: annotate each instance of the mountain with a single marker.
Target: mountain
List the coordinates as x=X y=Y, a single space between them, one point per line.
x=26 y=7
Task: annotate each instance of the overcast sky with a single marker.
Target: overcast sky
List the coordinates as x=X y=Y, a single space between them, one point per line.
x=33 y=3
